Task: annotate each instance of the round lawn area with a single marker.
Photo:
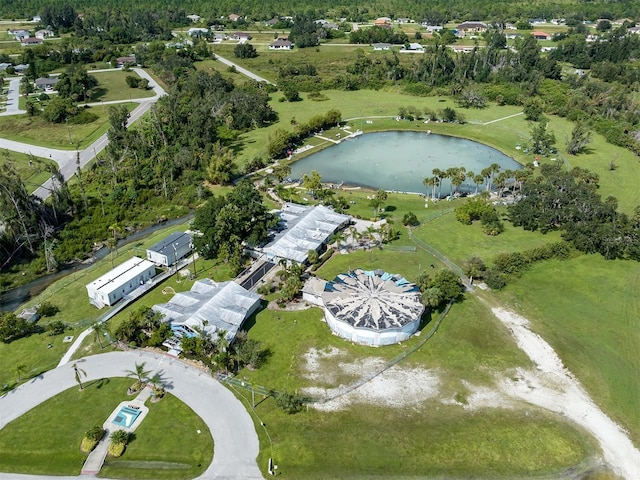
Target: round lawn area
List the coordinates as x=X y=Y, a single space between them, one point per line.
x=166 y=445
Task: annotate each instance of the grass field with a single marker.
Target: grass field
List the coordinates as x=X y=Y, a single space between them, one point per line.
x=33 y=175
x=588 y=309
x=46 y=440
x=113 y=86
x=37 y=131
x=430 y=439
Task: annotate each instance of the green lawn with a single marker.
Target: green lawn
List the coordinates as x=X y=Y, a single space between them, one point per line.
x=588 y=309
x=32 y=174
x=46 y=440
x=113 y=86
x=430 y=440
x=458 y=242
x=37 y=131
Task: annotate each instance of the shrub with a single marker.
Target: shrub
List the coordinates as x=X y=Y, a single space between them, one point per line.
x=116 y=449
x=56 y=328
x=47 y=309
x=410 y=219
x=491 y=224
x=494 y=279
x=290 y=402
x=509 y=262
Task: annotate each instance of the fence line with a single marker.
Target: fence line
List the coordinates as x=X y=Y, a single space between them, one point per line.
x=397 y=359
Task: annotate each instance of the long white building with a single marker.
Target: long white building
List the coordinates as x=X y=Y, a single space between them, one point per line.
x=115 y=284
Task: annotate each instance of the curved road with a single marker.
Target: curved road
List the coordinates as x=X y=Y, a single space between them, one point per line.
x=235 y=439
x=66 y=159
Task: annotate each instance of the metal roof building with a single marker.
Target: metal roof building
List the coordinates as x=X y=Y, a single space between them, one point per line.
x=170 y=249
x=124 y=279
x=305 y=228
x=372 y=307
x=211 y=306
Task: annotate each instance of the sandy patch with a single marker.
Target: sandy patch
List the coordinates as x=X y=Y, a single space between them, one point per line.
x=553 y=387
x=395 y=387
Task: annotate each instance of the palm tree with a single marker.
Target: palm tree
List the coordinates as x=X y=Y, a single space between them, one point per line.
x=79 y=373
x=20 y=369
x=371 y=231
x=451 y=174
x=339 y=237
x=120 y=437
x=459 y=177
x=486 y=175
x=493 y=168
x=438 y=175
x=355 y=235
x=158 y=386
x=478 y=179
x=139 y=373
x=430 y=182
x=100 y=330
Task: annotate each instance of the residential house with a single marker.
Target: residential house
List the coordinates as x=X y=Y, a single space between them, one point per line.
x=558 y=21
x=31 y=41
x=412 y=48
x=170 y=249
x=219 y=37
x=281 y=44
x=537 y=21
x=540 y=35
x=194 y=18
x=381 y=46
x=402 y=21
x=122 y=280
x=634 y=30
x=122 y=61
x=462 y=48
x=197 y=32
x=273 y=22
x=384 y=22
x=234 y=17
x=36 y=19
x=471 y=28
x=46 y=84
x=44 y=33
x=240 y=36
x=20 y=69
x=19 y=34
x=4 y=66
x=432 y=28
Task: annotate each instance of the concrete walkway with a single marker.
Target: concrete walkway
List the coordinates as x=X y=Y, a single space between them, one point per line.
x=234 y=435
x=95 y=460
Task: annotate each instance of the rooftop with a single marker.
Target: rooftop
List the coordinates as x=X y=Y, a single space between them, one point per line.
x=122 y=273
x=374 y=300
x=167 y=244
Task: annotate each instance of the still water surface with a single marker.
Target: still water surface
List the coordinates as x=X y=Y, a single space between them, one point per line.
x=400 y=160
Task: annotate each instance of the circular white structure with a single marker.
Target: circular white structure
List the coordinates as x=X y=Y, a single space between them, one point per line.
x=372 y=307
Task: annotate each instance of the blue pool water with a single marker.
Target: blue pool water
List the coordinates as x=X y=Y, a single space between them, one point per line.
x=126 y=416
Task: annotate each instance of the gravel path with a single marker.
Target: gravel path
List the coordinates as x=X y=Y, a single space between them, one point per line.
x=553 y=387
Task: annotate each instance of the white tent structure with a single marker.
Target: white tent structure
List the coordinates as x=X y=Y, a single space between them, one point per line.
x=305 y=228
x=210 y=306
x=372 y=307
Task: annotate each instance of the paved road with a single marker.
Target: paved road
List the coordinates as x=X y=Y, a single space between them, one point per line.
x=243 y=71
x=66 y=159
x=235 y=439
x=13 y=96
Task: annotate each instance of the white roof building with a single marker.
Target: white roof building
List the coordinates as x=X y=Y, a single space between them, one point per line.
x=372 y=307
x=122 y=280
x=210 y=306
x=305 y=228
x=170 y=249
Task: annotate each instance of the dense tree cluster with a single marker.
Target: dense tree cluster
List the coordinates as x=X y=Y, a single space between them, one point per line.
x=378 y=35
x=228 y=222
x=567 y=201
x=13 y=327
x=282 y=141
x=439 y=289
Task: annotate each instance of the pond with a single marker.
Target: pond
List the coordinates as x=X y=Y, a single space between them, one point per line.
x=400 y=161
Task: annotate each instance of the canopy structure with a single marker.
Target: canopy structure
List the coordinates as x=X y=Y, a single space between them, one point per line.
x=305 y=228
x=372 y=307
x=211 y=307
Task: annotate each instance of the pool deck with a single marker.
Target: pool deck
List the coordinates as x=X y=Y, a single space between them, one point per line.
x=95 y=460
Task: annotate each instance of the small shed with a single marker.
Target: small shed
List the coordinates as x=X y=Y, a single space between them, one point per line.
x=29 y=314
x=170 y=249
x=122 y=280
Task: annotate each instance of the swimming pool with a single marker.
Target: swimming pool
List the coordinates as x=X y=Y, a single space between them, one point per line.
x=126 y=416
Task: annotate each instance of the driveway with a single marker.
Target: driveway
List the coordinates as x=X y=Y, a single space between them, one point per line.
x=66 y=159
x=13 y=96
x=235 y=440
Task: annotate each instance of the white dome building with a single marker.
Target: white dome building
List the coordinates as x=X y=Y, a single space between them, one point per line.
x=372 y=307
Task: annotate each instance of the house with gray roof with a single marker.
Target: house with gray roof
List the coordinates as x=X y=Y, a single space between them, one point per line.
x=170 y=249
